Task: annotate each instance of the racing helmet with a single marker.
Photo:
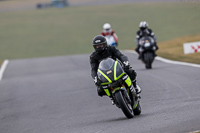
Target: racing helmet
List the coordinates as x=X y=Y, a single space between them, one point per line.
x=143 y=25
x=99 y=43
x=107 y=27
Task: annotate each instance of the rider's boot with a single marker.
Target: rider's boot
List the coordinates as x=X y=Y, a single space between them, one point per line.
x=100 y=91
x=137 y=88
x=154 y=53
x=139 y=57
x=113 y=103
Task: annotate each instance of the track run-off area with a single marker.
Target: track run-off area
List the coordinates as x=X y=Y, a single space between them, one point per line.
x=57 y=95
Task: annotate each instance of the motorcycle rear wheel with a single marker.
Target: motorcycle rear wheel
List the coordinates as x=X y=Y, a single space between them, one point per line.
x=137 y=110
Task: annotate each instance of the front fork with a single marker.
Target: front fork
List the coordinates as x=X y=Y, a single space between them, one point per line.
x=131 y=97
x=131 y=88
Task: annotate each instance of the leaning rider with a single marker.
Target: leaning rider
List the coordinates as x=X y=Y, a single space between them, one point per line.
x=102 y=51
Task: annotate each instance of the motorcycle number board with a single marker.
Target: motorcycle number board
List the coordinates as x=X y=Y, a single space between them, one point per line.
x=192 y=47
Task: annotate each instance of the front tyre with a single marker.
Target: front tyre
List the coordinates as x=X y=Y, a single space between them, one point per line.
x=148 y=58
x=124 y=105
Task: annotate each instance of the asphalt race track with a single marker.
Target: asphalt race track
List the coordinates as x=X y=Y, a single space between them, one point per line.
x=57 y=95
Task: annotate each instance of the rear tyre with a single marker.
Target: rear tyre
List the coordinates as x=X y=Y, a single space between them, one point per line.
x=124 y=105
x=137 y=110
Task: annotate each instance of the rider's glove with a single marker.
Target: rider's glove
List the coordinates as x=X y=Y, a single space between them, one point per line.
x=134 y=73
x=154 y=48
x=126 y=65
x=97 y=81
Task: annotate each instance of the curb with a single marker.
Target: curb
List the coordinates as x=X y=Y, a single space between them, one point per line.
x=170 y=61
x=3 y=67
x=195 y=131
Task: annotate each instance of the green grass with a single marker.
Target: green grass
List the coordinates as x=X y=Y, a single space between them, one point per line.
x=173 y=49
x=53 y=31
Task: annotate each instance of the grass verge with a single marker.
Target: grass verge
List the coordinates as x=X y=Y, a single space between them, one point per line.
x=1 y=63
x=67 y=31
x=173 y=49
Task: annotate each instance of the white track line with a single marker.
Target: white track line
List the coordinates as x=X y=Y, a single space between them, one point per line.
x=169 y=61
x=195 y=131
x=3 y=67
x=177 y=62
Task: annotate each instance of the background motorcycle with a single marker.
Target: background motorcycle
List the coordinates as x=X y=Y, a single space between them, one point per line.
x=117 y=85
x=147 y=50
x=111 y=40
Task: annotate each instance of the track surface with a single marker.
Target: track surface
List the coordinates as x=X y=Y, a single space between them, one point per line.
x=57 y=95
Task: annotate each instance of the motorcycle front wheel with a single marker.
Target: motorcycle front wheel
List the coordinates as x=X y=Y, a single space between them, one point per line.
x=148 y=59
x=124 y=105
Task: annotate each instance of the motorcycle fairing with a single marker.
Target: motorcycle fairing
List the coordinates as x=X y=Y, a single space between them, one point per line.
x=109 y=71
x=127 y=81
x=146 y=42
x=135 y=106
x=146 y=39
x=107 y=92
x=114 y=90
x=111 y=40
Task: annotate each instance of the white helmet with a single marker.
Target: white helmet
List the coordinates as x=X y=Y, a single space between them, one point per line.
x=106 y=26
x=143 y=25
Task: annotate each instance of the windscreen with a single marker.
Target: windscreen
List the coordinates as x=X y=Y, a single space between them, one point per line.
x=106 y=64
x=146 y=39
x=109 y=70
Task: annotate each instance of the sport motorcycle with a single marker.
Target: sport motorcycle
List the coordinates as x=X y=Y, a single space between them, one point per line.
x=118 y=86
x=147 y=50
x=111 y=40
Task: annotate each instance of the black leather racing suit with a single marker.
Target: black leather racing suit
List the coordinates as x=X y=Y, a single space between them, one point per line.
x=114 y=53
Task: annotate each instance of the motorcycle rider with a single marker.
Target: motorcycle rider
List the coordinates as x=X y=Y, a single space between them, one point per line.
x=144 y=31
x=102 y=51
x=108 y=31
